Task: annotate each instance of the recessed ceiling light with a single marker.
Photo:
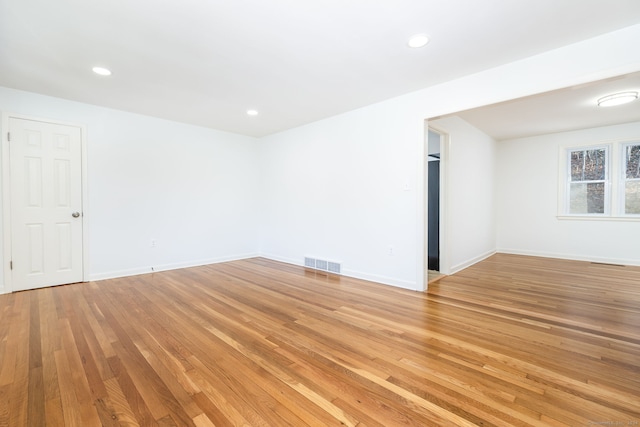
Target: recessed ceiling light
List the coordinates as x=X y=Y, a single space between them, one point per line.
x=101 y=71
x=418 y=40
x=617 y=99
x=252 y=112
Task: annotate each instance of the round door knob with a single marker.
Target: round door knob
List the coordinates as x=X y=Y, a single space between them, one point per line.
x=75 y=214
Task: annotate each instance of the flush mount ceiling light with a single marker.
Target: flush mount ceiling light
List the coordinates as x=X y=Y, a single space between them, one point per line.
x=617 y=99
x=101 y=71
x=418 y=40
x=252 y=112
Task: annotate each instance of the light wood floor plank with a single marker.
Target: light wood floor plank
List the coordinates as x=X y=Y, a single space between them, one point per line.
x=511 y=341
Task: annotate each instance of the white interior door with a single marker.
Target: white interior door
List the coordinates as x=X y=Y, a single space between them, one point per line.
x=46 y=204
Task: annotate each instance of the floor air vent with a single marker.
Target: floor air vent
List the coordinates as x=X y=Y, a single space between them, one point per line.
x=323 y=265
x=334 y=267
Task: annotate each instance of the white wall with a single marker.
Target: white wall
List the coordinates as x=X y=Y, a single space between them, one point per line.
x=347 y=188
x=433 y=140
x=190 y=188
x=335 y=188
x=339 y=189
x=470 y=234
x=527 y=206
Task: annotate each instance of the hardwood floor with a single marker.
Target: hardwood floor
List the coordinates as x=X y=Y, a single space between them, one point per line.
x=434 y=276
x=512 y=341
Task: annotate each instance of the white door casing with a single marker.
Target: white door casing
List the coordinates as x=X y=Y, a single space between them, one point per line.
x=46 y=209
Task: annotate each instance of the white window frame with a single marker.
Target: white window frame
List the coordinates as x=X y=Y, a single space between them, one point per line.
x=623 y=179
x=614 y=187
x=566 y=174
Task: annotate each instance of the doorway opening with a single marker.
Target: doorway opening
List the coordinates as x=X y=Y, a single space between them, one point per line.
x=435 y=195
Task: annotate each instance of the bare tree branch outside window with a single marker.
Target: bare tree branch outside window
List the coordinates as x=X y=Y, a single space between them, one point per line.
x=632 y=179
x=588 y=181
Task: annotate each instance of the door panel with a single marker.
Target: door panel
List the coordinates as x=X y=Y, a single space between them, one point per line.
x=35 y=254
x=46 y=189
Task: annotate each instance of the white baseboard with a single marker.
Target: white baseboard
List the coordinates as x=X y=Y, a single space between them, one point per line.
x=390 y=281
x=166 y=267
x=281 y=259
x=398 y=283
x=573 y=257
x=461 y=266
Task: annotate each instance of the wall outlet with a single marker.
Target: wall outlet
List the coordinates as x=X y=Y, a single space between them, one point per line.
x=391 y=251
x=154 y=243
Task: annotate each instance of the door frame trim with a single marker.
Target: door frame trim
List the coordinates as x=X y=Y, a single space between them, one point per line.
x=445 y=241
x=6 y=196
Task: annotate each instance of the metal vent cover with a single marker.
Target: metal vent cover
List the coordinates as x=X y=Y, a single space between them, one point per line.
x=323 y=265
x=334 y=267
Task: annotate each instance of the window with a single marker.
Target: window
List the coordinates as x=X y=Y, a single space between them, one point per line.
x=601 y=181
x=631 y=178
x=588 y=183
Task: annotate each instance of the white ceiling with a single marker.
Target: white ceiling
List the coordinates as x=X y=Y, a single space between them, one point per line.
x=206 y=62
x=562 y=110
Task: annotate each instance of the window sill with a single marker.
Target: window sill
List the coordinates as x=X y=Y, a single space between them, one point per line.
x=629 y=218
